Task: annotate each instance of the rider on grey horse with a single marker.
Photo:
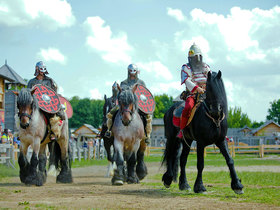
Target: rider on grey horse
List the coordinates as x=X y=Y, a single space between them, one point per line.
x=41 y=78
x=131 y=80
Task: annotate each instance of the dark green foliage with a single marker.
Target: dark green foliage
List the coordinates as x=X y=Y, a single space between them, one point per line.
x=86 y=111
x=163 y=103
x=274 y=111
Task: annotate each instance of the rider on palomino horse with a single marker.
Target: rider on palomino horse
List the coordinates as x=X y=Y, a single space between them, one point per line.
x=41 y=78
x=131 y=80
x=194 y=76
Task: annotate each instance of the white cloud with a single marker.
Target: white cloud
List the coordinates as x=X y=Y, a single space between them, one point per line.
x=50 y=14
x=176 y=13
x=52 y=54
x=157 y=69
x=243 y=32
x=170 y=88
x=95 y=94
x=113 y=48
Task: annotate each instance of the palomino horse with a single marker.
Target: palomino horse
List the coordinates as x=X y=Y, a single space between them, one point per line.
x=33 y=130
x=209 y=126
x=128 y=130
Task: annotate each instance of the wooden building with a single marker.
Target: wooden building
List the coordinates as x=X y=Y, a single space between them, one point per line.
x=86 y=129
x=11 y=82
x=269 y=128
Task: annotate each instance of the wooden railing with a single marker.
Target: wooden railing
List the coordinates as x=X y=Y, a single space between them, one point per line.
x=8 y=155
x=260 y=149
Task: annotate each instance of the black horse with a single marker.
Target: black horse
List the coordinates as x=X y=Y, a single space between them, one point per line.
x=209 y=126
x=108 y=142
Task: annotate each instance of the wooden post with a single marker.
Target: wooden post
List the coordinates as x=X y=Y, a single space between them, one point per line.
x=233 y=150
x=261 y=150
x=94 y=151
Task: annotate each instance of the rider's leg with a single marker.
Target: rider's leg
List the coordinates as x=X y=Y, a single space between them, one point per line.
x=186 y=114
x=110 y=120
x=55 y=123
x=148 y=128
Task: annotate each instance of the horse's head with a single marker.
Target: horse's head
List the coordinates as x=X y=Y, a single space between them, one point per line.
x=216 y=95
x=128 y=104
x=26 y=104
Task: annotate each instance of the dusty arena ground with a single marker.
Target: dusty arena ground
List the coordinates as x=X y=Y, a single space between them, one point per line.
x=91 y=190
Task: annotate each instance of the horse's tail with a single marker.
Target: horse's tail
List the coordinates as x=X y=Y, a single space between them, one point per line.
x=173 y=147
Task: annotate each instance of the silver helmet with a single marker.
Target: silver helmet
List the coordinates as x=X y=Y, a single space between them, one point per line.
x=40 y=66
x=195 y=54
x=132 y=69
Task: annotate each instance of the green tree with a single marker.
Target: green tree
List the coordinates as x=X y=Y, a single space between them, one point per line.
x=163 y=103
x=86 y=111
x=237 y=119
x=274 y=111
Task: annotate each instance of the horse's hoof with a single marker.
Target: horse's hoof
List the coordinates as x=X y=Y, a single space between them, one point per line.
x=239 y=192
x=64 y=178
x=166 y=185
x=118 y=182
x=185 y=187
x=132 y=180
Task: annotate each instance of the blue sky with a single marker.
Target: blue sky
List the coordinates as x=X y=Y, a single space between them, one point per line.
x=87 y=45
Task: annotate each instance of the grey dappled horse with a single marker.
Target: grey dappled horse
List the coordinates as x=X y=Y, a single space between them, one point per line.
x=33 y=130
x=128 y=130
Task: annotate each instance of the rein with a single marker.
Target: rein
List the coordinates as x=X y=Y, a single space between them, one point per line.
x=217 y=122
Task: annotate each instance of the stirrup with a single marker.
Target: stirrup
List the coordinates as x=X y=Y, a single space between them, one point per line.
x=53 y=137
x=108 y=134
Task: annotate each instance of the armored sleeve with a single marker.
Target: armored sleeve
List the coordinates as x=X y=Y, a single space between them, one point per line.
x=186 y=77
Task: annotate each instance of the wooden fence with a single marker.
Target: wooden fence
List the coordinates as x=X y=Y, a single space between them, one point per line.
x=260 y=150
x=8 y=155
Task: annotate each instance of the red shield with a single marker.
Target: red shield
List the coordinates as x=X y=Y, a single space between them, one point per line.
x=68 y=108
x=146 y=102
x=47 y=99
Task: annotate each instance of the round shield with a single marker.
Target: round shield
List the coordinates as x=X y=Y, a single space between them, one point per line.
x=146 y=102
x=67 y=106
x=47 y=99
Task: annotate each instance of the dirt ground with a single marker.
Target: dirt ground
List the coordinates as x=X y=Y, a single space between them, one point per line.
x=91 y=190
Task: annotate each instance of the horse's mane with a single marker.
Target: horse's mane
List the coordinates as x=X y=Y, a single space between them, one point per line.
x=127 y=97
x=220 y=91
x=25 y=98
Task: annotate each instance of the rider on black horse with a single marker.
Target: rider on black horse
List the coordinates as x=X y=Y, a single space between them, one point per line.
x=194 y=76
x=131 y=80
x=41 y=78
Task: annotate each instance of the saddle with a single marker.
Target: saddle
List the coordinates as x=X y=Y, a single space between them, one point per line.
x=178 y=111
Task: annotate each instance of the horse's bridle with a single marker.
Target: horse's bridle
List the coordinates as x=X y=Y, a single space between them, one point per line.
x=129 y=111
x=20 y=115
x=218 y=121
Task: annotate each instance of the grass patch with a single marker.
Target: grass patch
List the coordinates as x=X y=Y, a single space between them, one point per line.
x=6 y=171
x=259 y=187
x=84 y=163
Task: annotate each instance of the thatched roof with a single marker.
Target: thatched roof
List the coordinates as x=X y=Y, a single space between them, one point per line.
x=8 y=73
